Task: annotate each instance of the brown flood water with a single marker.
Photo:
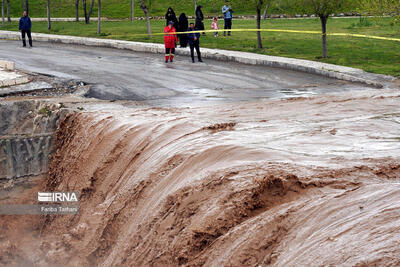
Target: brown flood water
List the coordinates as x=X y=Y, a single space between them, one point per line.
x=301 y=182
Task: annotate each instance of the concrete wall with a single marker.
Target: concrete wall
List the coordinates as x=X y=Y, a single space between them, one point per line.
x=26 y=137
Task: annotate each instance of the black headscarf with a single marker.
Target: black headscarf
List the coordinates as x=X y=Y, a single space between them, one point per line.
x=183 y=23
x=199 y=13
x=170 y=16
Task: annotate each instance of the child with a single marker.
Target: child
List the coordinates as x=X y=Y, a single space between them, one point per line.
x=214 y=26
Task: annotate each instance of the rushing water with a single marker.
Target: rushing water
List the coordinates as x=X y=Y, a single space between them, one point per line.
x=285 y=182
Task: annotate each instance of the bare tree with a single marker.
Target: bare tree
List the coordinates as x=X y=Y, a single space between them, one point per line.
x=2 y=14
x=132 y=10
x=85 y=11
x=195 y=5
x=91 y=9
x=48 y=15
x=146 y=13
x=8 y=11
x=266 y=10
x=99 y=18
x=259 y=5
x=76 y=10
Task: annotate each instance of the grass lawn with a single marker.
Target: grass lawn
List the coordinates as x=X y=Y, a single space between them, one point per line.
x=377 y=56
x=121 y=8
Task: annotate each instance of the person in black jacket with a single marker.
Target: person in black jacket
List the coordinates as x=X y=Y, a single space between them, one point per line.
x=200 y=19
x=183 y=26
x=194 y=42
x=25 y=26
x=170 y=16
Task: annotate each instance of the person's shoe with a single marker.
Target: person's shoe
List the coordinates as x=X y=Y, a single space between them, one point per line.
x=192 y=60
x=200 y=60
x=166 y=61
x=23 y=45
x=171 y=60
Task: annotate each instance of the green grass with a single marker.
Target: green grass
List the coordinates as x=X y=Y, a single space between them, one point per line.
x=121 y=8
x=375 y=56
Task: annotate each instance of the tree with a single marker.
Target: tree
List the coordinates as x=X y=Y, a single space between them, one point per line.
x=145 y=9
x=323 y=9
x=2 y=13
x=8 y=11
x=91 y=10
x=99 y=18
x=27 y=6
x=266 y=11
x=195 y=5
x=48 y=15
x=259 y=5
x=85 y=13
x=380 y=8
x=132 y=10
x=76 y=10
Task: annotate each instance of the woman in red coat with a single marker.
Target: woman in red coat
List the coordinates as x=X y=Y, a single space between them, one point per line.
x=170 y=40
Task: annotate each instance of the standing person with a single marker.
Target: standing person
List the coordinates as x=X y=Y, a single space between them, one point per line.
x=200 y=19
x=214 y=26
x=183 y=26
x=170 y=16
x=25 y=26
x=170 y=40
x=194 y=42
x=227 y=11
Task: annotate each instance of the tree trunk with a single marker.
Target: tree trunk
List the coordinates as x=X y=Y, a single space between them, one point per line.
x=265 y=11
x=324 y=20
x=195 y=6
x=48 y=15
x=132 y=10
x=259 y=40
x=8 y=11
x=85 y=12
x=2 y=14
x=76 y=10
x=91 y=9
x=27 y=6
x=99 y=19
x=23 y=5
x=146 y=12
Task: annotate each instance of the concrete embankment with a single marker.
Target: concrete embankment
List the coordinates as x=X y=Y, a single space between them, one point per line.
x=26 y=137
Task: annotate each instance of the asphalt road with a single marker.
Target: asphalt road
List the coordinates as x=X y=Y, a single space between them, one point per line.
x=126 y=75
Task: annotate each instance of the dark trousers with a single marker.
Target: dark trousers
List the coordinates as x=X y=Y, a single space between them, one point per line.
x=169 y=54
x=200 y=26
x=195 y=44
x=170 y=51
x=28 y=32
x=228 y=26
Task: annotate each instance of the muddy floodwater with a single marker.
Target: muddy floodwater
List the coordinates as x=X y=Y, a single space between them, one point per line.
x=214 y=164
x=287 y=182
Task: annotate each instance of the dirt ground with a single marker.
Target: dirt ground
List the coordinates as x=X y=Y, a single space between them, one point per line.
x=296 y=182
